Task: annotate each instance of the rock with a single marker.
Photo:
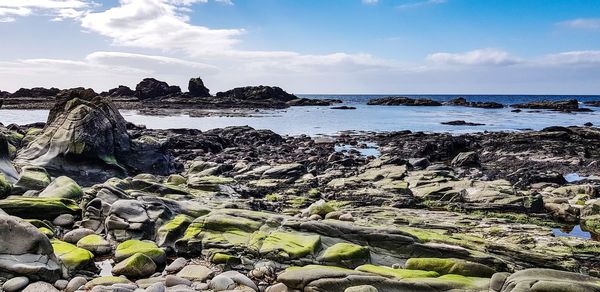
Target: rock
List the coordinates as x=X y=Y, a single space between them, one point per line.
x=171 y=281
x=75 y=235
x=87 y=140
x=345 y=254
x=64 y=220
x=75 y=284
x=221 y=283
x=31 y=178
x=560 y=105
x=362 y=288
x=196 y=88
x=450 y=266
x=461 y=101
x=320 y=208
x=72 y=257
x=150 y=88
x=257 y=93
x=120 y=91
x=176 y=265
x=173 y=230
x=5 y=186
x=35 y=92
x=128 y=219
x=287 y=245
x=312 y=102
x=40 y=287
x=15 y=284
x=346 y=217
x=195 y=273
x=240 y=279
x=105 y=281
x=546 y=280
x=466 y=159
x=395 y=100
x=148 y=248
x=39 y=208
x=156 y=287
x=96 y=244
x=61 y=284
x=461 y=123
x=136 y=266
x=279 y=287
x=62 y=187
x=8 y=174
x=343 y=107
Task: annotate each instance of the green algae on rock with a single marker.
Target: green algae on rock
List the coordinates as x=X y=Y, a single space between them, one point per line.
x=172 y=230
x=39 y=208
x=133 y=246
x=62 y=187
x=5 y=186
x=346 y=254
x=72 y=256
x=31 y=178
x=95 y=243
x=290 y=244
x=136 y=266
x=450 y=266
x=397 y=273
x=105 y=281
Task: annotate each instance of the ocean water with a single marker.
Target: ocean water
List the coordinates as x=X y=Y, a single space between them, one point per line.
x=326 y=121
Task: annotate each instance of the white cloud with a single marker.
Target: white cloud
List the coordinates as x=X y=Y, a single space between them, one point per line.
x=572 y=58
x=59 y=9
x=481 y=57
x=582 y=23
x=370 y=2
x=157 y=24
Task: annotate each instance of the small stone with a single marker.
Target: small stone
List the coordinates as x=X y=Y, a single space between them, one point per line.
x=171 y=281
x=64 y=220
x=346 y=217
x=221 y=283
x=176 y=265
x=40 y=287
x=195 y=273
x=315 y=217
x=15 y=284
x=157 y=287
x=75 y=235
x=362 y=288
x=61 y=284
x=75 y=284
x=396 y=266
x=240 y=279
x=136 y=266
x=280 y=287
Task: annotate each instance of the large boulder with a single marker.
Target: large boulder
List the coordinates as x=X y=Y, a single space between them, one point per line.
x=196 y=88
x=86 y=138
x=119 y=92
x=152 y=88
x=257 y=93
x=543 y=280
x=24 y=250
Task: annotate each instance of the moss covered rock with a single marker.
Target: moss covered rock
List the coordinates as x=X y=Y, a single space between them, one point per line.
x=450 y=266
x=72 y=256
x=321 y=208
x=31 y=178
x=62 y=187
x=173 y=230
x=176 y=180
x=39 y=208
x=346 y=254
x=222 y=258
x=135 y=266
x=397 y=273
x=290 y=245
x=95 y=243
x=5 y=186
x=105 y=281
x=208 y=183
x=148 y=248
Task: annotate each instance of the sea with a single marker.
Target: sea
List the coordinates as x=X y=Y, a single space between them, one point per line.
x=322 y=120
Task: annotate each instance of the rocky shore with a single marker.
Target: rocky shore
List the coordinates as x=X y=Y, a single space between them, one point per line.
x=90 y=202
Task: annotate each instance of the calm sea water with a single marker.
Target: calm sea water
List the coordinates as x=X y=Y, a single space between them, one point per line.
x=323 y=120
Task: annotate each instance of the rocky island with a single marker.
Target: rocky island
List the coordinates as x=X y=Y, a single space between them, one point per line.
x=90 y=202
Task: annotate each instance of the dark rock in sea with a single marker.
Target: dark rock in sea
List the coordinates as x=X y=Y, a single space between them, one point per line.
x=516 y=111
x=594 y=103
x=312 y=102
x=400 y=100
x=258 y=93
x=197 y=89
x=119 y=92
x=461 y=101
x=461 y=123
x=151 y=88
x=86 y=138
x=588 y=124
x=560 y=105
x=35 y=92
x=343 y=107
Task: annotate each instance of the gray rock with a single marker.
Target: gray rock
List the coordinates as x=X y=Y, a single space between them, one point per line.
x=157 y=287
x=221 y=283
x=75 y=284
x=241 y=279
x=171 y=281
x=15 y=284
x=64 y=220
x=40 y=287
x=61 y=284
x=362 y=288
x=466 y=159
x=176 y=265
x=279 y=287
x=75 y=235
x=195 y=273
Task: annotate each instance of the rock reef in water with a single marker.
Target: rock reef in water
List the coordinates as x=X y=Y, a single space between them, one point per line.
x=407 y=101
x=571 y=105
x=461 y=101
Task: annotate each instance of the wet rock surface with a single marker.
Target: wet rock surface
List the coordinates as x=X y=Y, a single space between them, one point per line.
x=250 y=210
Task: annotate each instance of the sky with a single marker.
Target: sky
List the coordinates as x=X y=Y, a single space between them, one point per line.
x=306 y=46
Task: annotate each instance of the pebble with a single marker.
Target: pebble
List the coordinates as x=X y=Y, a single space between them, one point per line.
x=240 y=278
x=362 y=288
x=64 y=220
x=280 y=287
x=156 y=287
x=15 y=284
x=61 y=284
x=315 y=217
x=75 y=284
x=176 y=265
x=221 y=283
x=171 y=281
x=75 y=235
x=40 y=287
x=347 y=217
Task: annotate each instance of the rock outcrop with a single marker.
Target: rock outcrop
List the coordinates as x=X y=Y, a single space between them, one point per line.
x=257 y=93
x=150 y=88
x=461 y=101
x=197 y=89
x=400 y=100
x=571 y=105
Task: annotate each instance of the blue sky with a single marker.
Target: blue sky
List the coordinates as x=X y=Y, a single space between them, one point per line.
x=308 y=46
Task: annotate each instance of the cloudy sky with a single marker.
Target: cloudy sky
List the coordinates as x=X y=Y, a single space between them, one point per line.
x=306 y=46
